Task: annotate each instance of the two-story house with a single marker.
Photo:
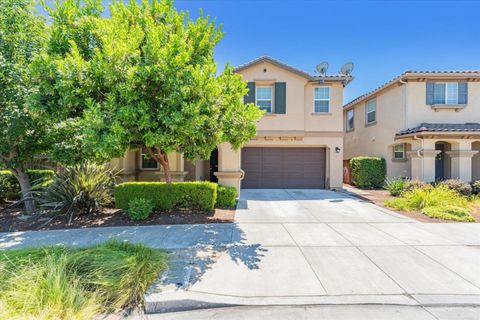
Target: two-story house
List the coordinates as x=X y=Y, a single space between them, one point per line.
x=299 y=142
x=425 y=124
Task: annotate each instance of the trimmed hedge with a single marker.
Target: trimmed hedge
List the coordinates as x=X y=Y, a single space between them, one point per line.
x=190 y=195
x=226 y=197
x=11 y=188
x=368 y=172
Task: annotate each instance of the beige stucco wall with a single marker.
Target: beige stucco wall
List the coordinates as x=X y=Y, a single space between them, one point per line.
x=129 y=167
x=378 y=139
x=418 y=111
x=299 y=98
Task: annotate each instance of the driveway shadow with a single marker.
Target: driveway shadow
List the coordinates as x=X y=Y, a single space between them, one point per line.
x=188 y=264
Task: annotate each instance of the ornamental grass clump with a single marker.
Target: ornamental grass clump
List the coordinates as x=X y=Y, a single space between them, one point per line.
x=64 y=283
x=395 y=186
x=436 y=202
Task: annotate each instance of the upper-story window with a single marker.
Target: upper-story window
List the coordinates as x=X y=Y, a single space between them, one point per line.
x=147 y=162
x=399 y=151
x=350 y=120
x=264 y=98
x=446 y=93
x=321 y=99
x=371 y=111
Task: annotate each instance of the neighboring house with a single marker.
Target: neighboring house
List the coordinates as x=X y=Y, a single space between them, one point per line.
x=299 y=141
x=425 y=124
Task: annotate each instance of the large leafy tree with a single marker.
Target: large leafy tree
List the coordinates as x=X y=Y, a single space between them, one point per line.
x=62 y=76
x=164 y=93
x=22 y=135
x=148 y=79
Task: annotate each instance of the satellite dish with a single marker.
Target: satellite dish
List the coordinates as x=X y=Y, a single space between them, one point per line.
x=347 y=69
x=322 y=68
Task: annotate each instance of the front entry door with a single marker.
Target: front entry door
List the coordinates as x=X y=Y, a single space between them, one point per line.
x=440 y=162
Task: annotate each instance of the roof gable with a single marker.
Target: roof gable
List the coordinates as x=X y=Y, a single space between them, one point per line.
x=337 y=77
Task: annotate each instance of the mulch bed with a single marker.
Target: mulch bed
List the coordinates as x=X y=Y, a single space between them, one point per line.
x=378 y=198
x=13 y=219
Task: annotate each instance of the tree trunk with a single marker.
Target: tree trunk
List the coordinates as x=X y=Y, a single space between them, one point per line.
x=162 y=158
x=166 y=167
x=26 y=188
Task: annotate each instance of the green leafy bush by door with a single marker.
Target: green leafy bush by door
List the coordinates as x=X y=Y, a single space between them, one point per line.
x=226 y=197
x=368 y=172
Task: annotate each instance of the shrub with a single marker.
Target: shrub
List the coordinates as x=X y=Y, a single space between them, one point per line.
x=62 y=283
x=415 y=184
x=459 y=186
x=80 y=189
x=11 y=187
x=226 y=197
x=3 y=194
x=449 y=213
x=476 y=187
x=140 y=208
x=190 y=195
x=441 y=197
x=395 y=186
x=368 y=172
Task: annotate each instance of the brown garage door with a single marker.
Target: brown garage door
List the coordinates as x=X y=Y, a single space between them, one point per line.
x=283 y=168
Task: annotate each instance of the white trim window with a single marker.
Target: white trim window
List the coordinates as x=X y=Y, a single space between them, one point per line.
x=321 y=100
x=147 y=162
x=445 y=93
x=350 y=120
x=371 y=111
x=399 y=151
x=264 y=98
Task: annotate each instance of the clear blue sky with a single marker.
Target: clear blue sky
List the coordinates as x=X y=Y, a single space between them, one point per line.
x=382 y=38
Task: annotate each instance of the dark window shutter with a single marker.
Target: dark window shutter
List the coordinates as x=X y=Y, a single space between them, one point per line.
x=280 y=97
x=430 y=93
x=250 y=96
x=462 y=93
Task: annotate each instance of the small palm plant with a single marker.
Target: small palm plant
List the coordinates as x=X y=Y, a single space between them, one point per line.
x=80 y=190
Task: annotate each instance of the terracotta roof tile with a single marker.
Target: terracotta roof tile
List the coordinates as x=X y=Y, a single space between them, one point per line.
x=442 y=127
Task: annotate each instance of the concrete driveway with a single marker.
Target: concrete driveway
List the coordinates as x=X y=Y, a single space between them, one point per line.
x=302 y=247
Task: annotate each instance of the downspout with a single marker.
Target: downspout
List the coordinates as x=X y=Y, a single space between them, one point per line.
x=405 y=104
x=419 y=153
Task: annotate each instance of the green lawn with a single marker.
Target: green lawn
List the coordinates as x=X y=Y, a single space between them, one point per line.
x=63 y=283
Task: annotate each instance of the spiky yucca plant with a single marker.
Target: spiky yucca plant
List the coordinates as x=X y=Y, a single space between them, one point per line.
x=81 y=189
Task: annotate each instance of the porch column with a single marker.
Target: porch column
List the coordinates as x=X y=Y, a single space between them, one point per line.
x=129 y=165
x=229 y=166
x=461 y=161
x=423 y=164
